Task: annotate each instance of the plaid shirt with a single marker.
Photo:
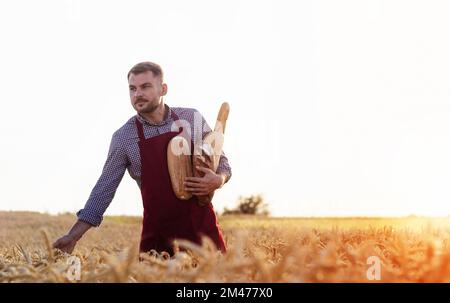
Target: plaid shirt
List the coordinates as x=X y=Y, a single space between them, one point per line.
x=124 y=155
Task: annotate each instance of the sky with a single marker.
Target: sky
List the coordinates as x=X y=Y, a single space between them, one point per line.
x=338 y=108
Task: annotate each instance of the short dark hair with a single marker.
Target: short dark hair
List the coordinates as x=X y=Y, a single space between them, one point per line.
x=146 y=67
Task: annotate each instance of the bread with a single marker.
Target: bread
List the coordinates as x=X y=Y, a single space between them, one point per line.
x=179 y=165
x=211 y=150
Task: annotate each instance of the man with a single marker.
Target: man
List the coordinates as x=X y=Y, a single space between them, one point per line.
x=140 y=146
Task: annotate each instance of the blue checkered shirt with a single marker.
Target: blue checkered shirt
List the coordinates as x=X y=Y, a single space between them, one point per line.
x=124 y=155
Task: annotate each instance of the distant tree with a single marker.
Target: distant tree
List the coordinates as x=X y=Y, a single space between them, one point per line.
x=252 y=205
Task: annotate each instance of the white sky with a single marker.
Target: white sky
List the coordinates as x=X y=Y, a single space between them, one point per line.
x=337 y=107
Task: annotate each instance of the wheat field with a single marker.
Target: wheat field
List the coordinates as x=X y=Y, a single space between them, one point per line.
x=259 y=250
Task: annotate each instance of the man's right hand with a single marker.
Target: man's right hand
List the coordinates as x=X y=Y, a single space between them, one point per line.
x=66 y=243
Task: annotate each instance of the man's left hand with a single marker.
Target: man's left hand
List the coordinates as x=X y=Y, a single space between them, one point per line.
x=206 y=184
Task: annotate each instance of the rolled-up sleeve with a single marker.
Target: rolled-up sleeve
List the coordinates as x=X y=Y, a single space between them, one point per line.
x=224 y=166
x=104 y=190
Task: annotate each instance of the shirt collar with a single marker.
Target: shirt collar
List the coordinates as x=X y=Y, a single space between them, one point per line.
x=169 y=117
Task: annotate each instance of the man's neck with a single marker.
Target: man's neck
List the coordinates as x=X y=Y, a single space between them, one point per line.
x=158 y=116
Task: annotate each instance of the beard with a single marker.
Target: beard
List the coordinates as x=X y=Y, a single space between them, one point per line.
x=147 y=107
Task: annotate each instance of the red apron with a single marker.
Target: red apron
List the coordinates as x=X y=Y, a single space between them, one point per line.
x=165 y=216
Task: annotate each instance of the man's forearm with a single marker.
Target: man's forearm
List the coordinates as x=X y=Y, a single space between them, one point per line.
x=79 y=229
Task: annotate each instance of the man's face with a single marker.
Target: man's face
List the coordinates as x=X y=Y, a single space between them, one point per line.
x=146 y=91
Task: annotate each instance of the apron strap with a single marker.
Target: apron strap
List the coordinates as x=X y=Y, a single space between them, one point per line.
x=141 y=129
